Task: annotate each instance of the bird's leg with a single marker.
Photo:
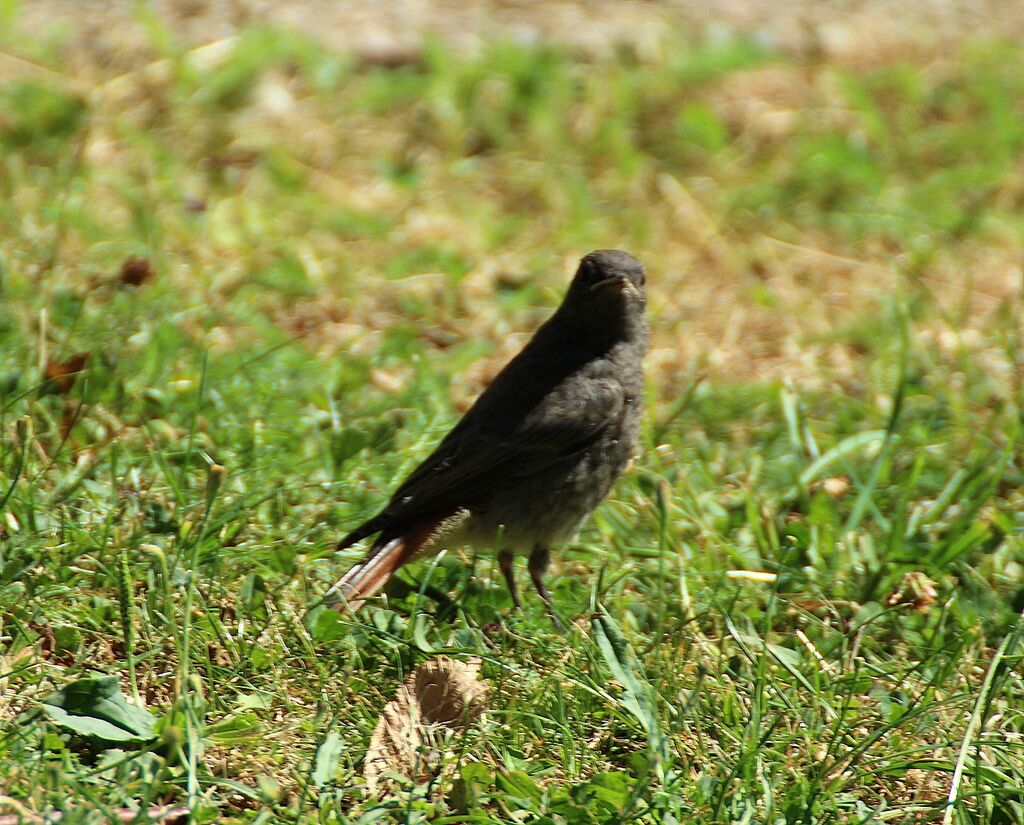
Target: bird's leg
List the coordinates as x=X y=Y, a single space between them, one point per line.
x=538 y=565
x=505 y=560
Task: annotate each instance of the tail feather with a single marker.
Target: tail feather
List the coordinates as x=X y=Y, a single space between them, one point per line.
x=372 y=573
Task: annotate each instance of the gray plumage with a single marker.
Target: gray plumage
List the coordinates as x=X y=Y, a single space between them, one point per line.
x=539 y=449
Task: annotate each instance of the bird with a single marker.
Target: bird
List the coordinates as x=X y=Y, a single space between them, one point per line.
x=536 y=452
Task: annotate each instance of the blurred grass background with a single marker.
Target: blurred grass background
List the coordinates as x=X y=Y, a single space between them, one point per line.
x=296 y=242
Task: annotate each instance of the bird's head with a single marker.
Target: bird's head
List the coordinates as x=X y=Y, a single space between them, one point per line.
x=607 y=291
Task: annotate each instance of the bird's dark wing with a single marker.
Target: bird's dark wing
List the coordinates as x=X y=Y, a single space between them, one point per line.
x=483 y=450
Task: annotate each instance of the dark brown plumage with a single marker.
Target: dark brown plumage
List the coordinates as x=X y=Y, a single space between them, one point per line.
x=539 y=449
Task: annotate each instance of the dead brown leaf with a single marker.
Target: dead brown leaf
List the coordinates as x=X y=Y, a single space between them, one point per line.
x=916 y=590
x=135 y=271
x=62 y=374
x=441 y=693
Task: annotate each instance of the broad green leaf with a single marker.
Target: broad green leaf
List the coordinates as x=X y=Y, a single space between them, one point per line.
x=95 y=707
x=608 y=791
x=625 y=667
x=327 y=756
x=520 y=785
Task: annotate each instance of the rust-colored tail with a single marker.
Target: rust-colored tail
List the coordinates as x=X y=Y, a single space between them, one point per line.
x=372 y=573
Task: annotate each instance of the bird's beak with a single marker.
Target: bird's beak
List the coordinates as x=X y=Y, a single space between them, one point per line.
x=630 y=287
x=623 y=282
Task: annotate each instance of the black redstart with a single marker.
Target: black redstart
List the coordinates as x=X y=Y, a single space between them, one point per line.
x=538 y=450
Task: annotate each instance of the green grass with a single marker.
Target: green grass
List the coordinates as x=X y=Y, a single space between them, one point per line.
x=340 y=255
